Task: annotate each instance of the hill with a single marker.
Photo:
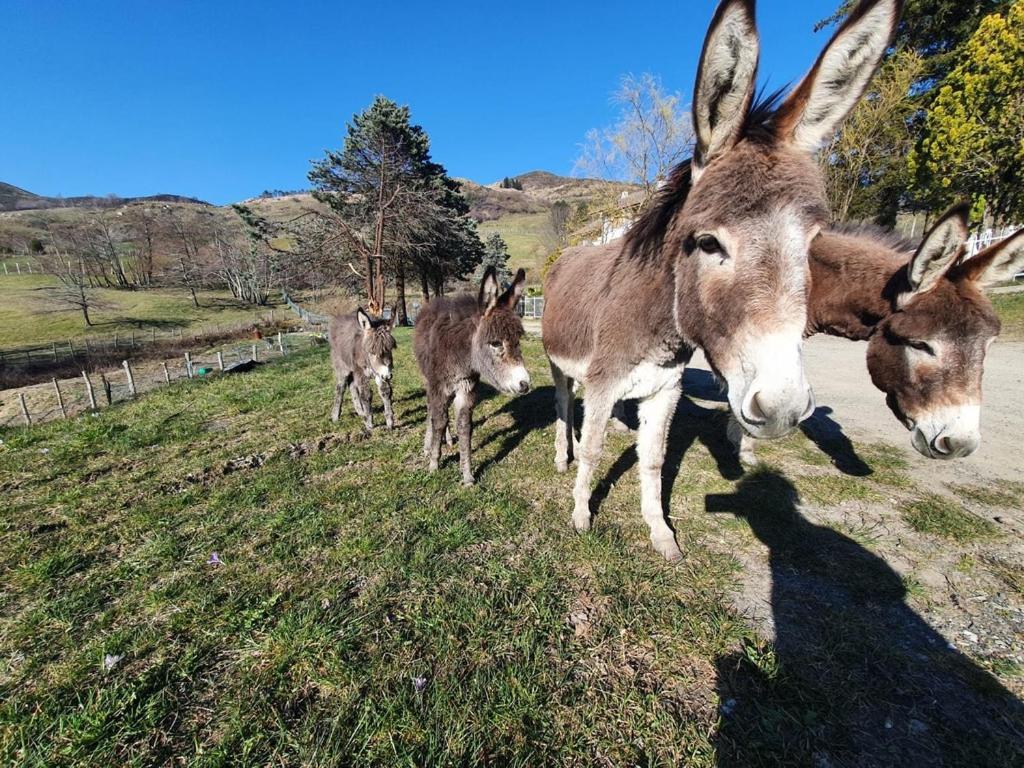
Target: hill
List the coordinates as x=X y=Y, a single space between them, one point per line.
x=14 y=198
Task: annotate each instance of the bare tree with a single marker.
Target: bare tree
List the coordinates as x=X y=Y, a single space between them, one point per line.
x=873 y=143
x=652 y=134
x=190 y=230
x=76 y=289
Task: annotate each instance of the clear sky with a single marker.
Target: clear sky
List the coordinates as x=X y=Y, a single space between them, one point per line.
x=221 y=99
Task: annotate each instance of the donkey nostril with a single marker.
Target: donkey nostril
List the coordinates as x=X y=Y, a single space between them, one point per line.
x=755 y=411
x=943 y=445
x=524 y=387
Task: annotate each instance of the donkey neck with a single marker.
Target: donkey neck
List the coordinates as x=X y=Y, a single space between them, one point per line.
x=852 y=281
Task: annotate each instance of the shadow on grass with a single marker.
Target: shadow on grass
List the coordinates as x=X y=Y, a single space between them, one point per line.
x=827 y=433
x=691 y=423
x=855 y=676
x=534 y=410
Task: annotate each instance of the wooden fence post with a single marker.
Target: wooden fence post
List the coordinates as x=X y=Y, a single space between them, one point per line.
x=5 y=269
x=280 y=342
x=88 y=349
x=71 y=349
x=108 y=391
x=24 y=409
x=18 y=265
x=88 y=391
x=255 y=353
x=188 y=364
x=133 y=339
x=115 y=341
x=53 y=347
x=60 y=398
x=167 y=374
x=220 y=360
x=131 y=379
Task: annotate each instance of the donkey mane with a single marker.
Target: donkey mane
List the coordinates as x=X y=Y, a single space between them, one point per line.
x=381 y=341
x=879 y=235
x=646 y=236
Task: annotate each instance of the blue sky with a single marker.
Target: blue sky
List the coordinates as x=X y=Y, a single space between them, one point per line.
x=223 y=99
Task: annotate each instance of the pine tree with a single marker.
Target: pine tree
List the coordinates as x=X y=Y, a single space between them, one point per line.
x=495 y=254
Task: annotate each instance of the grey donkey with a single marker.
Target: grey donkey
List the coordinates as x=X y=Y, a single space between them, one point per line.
x=361 y=350
x=463 y=339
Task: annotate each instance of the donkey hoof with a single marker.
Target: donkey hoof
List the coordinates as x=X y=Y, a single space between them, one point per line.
x=748 y=459
x=668 y=549
x=581 y=523
x=468 y=480
x=561 y=466
x=432 y=467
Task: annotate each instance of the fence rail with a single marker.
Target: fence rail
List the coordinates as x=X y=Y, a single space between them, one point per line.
x=89 y=392
x=85 y=346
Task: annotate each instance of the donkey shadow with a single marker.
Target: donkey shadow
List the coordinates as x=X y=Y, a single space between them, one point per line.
x=534 y=410
x=855 y=676
x=827 y=433
x=691 y=423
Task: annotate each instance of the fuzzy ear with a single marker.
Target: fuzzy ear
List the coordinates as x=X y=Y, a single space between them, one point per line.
x=515 y=291
x=939 y=250
x=393 y=318
x=364 y=319
x=726 y=78
x=488 y=290
x=997 y=263
x=817 y=107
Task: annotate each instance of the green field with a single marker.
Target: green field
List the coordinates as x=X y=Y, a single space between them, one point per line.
x=524 y=235
x=1010 y=307
x=29 y=315
x=365 y=612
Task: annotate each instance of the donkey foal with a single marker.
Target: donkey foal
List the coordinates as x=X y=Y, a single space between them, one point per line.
x=458 y=341
x=360 y=350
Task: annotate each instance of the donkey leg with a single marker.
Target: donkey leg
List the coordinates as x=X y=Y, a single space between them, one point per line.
x=438 y=422
x=384 y=390
x=597 y=410
x=741 y=442
x=361 y=402
x=563 y=418
x=655 y=418
x=465 y=399
x=339 y=397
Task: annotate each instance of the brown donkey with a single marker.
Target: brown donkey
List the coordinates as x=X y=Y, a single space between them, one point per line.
x=926 y=319
x=361 y=350
x=719 y=260
x=459 y=341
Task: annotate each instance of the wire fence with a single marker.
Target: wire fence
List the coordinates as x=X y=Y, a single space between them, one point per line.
x=90 y=392
x=103 y=345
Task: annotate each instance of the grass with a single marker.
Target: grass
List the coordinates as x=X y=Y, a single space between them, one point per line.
x=367 y=612
x=939 y=516
x=523 y=233
x=28 y=316
x=1008 y=494
x=1010 y=308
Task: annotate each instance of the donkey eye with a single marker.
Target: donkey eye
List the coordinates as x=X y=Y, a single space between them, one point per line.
x=923 y=346
x=709 y=244
x=495 y=345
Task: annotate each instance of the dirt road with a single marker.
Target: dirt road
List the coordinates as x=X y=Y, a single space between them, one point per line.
x=837 y=370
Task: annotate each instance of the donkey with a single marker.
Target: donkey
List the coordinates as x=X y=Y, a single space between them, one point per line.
x=927 y=322
x=361 y=349
x=718 y=261
x=459 y=341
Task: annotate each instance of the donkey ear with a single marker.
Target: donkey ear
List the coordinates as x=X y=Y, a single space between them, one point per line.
x=725 y=79
x=393 y=318
x=817 y=107
x=515 y=291
x=939 y=250
x=488 y=290
x=364 y=319
x=996 y=263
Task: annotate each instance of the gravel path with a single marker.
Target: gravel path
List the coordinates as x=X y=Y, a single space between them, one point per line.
x=838 y=372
